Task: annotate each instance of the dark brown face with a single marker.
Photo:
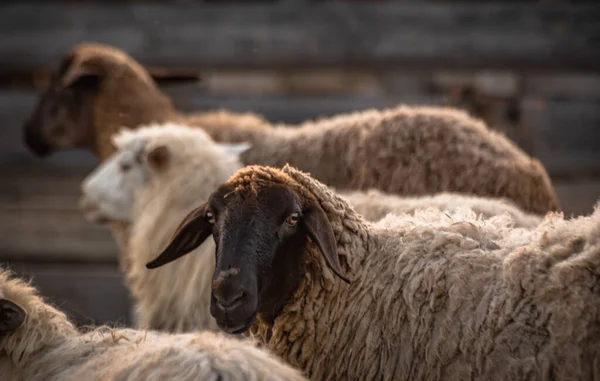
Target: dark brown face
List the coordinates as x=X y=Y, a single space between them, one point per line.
x=260 y=243
x=62 y=118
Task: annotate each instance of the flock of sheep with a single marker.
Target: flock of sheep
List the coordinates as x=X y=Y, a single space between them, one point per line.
x=405 y=244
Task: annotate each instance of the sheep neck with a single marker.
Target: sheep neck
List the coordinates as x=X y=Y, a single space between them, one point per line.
x=126 y=101
x=295 y=333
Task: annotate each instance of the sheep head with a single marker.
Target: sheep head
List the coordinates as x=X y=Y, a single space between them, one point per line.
x=96 y=88
x=62 y=117
x=261 y=221
x=108 y=192
x=143 y=155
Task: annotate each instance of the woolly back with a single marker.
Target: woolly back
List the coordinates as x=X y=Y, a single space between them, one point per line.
x=44 y=325
x=374 y=205
x=555 y=230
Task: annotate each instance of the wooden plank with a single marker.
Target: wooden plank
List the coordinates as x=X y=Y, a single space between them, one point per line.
x=562 y=86
x=492 y=35
x=90 y=294
x=40 y=220
x=578 y=197
x=566 y=134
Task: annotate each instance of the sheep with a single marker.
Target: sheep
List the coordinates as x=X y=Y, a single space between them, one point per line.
x=39 y=343
x=405 y=150
x=110 y=193
x=375 y=205
x=423 y=297
x=158 y=174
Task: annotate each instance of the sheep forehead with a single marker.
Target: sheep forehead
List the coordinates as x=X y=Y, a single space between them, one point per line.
x=252 y=179
x=181 y=140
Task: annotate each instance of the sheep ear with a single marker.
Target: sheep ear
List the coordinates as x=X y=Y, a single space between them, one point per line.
x=81 y=71
x=158 y=157
x=190 y=233
x=319 y=230
x=235 y=149
x=11 y=316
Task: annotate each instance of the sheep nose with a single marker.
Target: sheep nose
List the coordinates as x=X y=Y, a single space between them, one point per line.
x=227 y=290
x=229 y=301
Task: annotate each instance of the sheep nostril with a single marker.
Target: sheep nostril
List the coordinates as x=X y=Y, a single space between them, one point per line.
x=229 y=303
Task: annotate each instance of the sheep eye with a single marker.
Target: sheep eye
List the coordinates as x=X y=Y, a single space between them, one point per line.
x=210 y=217
x=125 y=167
x=293 y=218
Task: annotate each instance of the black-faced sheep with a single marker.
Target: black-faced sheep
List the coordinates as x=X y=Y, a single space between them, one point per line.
x=430 y=296
x=406 y=150
x=158 y=174
x=38 y=343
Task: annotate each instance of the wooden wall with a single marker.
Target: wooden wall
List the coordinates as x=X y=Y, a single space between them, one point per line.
x=530 y=70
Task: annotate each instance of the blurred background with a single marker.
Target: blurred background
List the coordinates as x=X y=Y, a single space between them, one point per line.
x=528 y=68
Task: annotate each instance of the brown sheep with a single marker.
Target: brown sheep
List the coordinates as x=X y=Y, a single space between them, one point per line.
x=404 y=150
x=97 y=90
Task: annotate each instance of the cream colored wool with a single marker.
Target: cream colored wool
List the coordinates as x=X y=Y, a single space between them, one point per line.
x=175 y=298
x=374 y=205
x=439 y=297
x=47 y=347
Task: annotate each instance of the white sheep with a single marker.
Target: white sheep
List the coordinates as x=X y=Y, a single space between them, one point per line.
x=430 y=296
x=158 y=174
x=38 y=343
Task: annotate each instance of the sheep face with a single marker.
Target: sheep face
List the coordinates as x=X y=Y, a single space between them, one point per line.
x=62 y=118
x=261 y=236
x=109 y=191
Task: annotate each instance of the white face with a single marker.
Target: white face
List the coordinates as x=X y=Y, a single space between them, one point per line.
x=108 y=192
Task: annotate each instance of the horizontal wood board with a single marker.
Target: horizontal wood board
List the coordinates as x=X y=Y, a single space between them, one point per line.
x=40 y=219
x=297 y=34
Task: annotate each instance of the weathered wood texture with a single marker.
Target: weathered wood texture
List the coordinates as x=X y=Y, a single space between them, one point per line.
x=39 y=219
x=566 y=134
x=325 y=34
